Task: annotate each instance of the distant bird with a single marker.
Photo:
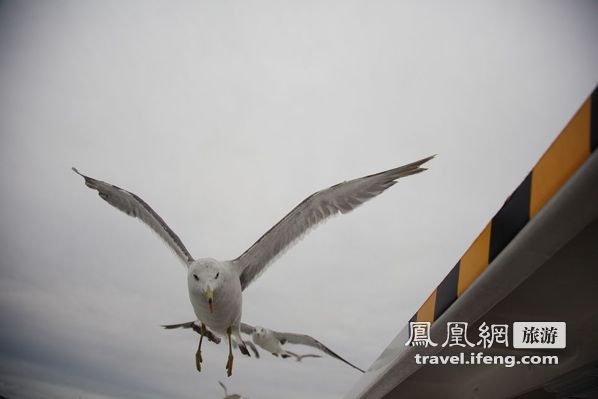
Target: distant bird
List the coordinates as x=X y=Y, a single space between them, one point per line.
x=215 y=287
x=272 y=341
x=226 y=395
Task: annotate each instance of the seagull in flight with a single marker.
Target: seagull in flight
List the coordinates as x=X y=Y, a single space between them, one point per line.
x=272 y=341
x=216 y=286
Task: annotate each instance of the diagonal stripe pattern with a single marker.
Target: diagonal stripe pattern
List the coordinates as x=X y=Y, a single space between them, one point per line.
x=568 y=152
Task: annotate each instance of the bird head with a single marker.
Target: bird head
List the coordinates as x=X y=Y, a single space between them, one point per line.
x=204 y=280
x=259 y=332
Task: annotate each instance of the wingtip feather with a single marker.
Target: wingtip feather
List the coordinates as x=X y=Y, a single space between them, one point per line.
x=424 y=160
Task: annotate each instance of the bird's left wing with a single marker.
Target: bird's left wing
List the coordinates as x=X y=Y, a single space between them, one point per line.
x=247 y=329
x=132 y=205
x=342 y=197
x=302 y=339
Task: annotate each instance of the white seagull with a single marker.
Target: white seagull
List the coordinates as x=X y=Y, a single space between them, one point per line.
x=215 y=287
x=272 y=341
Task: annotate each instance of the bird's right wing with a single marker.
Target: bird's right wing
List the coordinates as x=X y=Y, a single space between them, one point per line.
x=195 y=325
x=302 y=339
x=190 y=324
x=132 y=205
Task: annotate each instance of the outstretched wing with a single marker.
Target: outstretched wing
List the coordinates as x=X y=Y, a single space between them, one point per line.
x=302 y=339
x=247 y=329
x=132 y=205
x=190 y=324
x=195 y=325
x=343 y=198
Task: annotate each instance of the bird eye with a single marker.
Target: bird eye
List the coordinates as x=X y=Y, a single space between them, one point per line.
x=217 y=274
x=195 y=277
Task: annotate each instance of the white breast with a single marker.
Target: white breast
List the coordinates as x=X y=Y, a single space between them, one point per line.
x=268 y=342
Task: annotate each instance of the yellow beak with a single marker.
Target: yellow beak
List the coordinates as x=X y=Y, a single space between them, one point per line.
x=210 y=298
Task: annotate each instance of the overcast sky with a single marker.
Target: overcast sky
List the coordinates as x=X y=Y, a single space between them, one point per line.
x=223 y=116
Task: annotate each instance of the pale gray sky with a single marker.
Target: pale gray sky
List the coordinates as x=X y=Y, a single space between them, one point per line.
x=223 y=115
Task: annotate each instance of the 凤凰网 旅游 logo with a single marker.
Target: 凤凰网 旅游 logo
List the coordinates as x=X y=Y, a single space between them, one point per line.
x=541 y=335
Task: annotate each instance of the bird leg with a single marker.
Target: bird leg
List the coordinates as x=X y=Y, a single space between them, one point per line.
x=198 y=358
x=229 y=363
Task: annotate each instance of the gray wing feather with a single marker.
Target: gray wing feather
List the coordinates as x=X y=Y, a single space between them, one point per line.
x=340 y=198
x=302 y=339
x=247 y=329
x=190 y=324
x=195 y=325
x=134 y=206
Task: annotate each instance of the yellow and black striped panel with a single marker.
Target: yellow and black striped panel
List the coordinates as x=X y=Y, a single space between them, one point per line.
x=563 y=158
x=568 y=152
